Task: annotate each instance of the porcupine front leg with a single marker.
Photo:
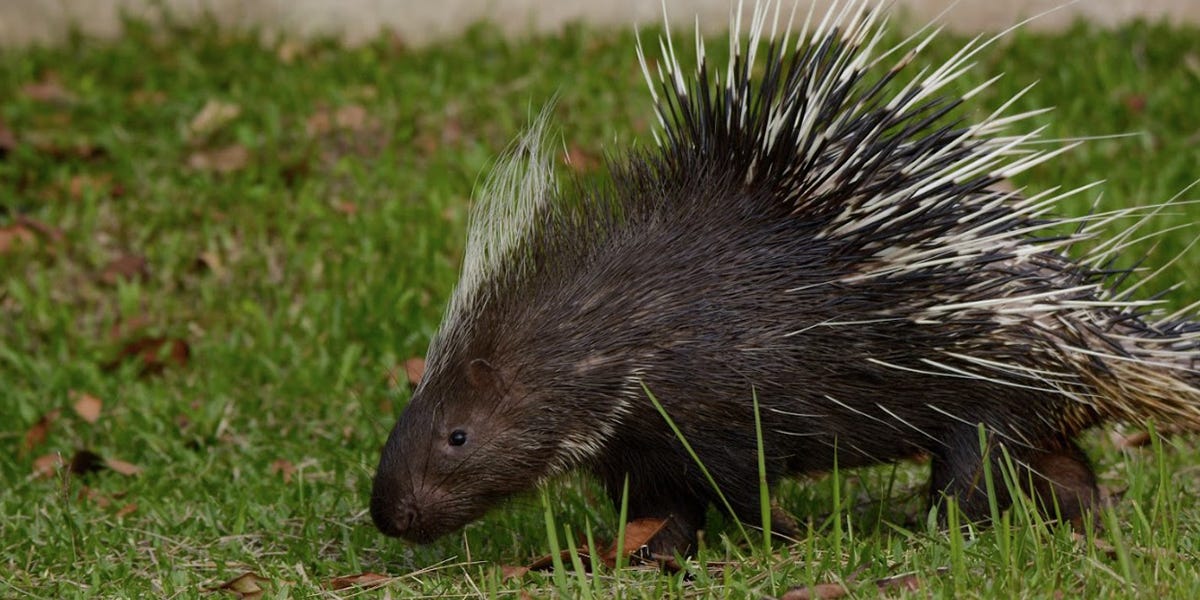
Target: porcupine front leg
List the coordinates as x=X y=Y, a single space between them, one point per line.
x=1054 y=471
x=685 y=514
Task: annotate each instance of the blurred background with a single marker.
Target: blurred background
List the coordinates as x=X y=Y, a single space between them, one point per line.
x=420 y=21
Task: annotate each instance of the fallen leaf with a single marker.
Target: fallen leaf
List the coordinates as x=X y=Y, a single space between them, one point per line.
x=362 y=580
x=8 y=140
x=214 y=115
x=154 y=353
x=823 y=591
x=37 y=433
x=1136 y=103
x=126 y=267
x=99 y=499
x=48 y=464
x=352 y=117
x=47 y=89
x=289 y=50
x=86 y=406
x=345 y=207
x=49 y=233
x=210 y=262
x=128 y=327
x=126 y=510
x=513 y=571
x=125 y=468
x=414 y=368
x=59 y=149
x=546 y=562
x=84 y=462
x=318 y=123
x=638 y=533
x=284 y=467
x=16 y=237
x=580 y=160
x=908 y=583
x=83 y=185
x=147 y=97
x=244 y=586
x=231 y=158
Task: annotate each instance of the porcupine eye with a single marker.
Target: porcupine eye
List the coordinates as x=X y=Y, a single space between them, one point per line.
x=458 y=437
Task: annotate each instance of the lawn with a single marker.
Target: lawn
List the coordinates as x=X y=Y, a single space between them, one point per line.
x=219 y=256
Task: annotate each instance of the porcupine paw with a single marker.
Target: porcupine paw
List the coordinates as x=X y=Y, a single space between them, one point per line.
x=1064 y=485
x=1057 y=476
x=783 y=525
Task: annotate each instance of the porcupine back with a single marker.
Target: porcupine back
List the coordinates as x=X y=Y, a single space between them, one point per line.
x=893 y=213
x=812 y=233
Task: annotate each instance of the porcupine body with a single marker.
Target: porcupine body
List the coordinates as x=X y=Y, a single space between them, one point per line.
x=812 y=235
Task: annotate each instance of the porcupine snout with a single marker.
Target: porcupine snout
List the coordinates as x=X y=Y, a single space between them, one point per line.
x=392 y=518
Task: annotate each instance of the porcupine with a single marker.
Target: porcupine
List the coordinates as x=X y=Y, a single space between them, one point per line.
x=812 y=240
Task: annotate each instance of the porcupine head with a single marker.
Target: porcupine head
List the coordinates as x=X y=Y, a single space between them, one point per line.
x=820 y=248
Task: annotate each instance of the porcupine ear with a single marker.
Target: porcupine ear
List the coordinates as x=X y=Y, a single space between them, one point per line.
x=482 y=375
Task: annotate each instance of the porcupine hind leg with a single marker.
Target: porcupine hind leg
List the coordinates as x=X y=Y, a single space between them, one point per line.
x=1055 y=472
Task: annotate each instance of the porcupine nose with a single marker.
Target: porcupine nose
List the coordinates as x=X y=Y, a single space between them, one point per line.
x=392 y=518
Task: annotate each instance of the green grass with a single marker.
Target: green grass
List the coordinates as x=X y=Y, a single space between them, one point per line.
x=303 y=278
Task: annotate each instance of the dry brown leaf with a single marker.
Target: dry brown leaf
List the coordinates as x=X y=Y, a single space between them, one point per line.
x=87 y=493
x=48 y=464
x=346 y=207
x=543 y=563
x=1136 y=103
x=147 y=97
x=126 y=267
x=908 y=583
x=362 y=580
x=580 y=160
x=638 y=533
x=211 y=262
x=513 y=571
x=16 y=237
x=83 y=185
x=822 y=591
x=8 y=139
x=414 y=368
x=41 y=229
x=37 y=433
x=352 y=117
x=86 y=406
x=128 y=327
x=318 y=123
x=126 y=510
x=284 y=467
x=214 y=115
x=48 y=89
x=289 y=50
x=1142 y=438
x=244 y=586
x=125 y=468
x=154 y=353
x=231 y=158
